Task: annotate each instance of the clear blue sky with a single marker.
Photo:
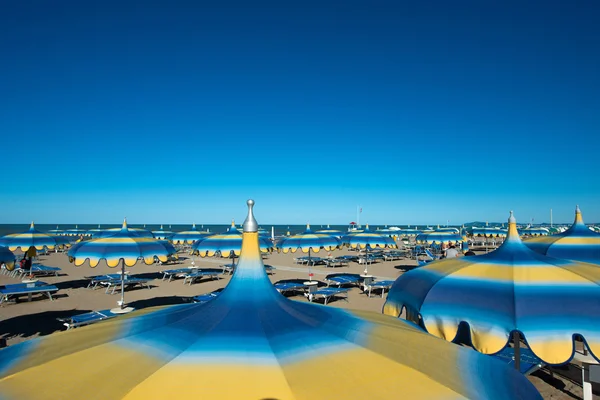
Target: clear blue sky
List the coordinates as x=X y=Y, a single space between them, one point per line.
x=177 y=112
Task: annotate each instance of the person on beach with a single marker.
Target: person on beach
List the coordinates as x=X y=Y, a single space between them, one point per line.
x=451 y=252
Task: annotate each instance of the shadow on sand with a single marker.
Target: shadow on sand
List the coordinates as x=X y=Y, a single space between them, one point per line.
x=405 y=268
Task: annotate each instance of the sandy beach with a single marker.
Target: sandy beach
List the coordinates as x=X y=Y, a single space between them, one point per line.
x=27 y=320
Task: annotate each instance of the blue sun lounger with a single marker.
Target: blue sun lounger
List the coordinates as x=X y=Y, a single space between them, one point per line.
x=198 y=274
x=289 y=287
x=38 y=270
x=327 y=293
x=378 y=285
x=206 y=297
x=343 y=279
x=87 y=318
x=127 y=282
x=23 y=289
x=177 y=273
x=529 y=362
x=98 y=279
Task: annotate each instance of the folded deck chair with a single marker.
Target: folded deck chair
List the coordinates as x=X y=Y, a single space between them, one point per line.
x=529 y=363
x=23 y=289
x=191 y=277
x=327 y=293
x=87 y=318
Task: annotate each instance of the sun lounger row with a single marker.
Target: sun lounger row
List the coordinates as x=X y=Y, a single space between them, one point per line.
x=17 y=290
x=36 y=270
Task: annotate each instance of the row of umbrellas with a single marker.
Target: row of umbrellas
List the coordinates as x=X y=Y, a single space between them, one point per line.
x=270 y=346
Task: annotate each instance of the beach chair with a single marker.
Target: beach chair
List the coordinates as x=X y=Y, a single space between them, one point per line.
x=177 y=273
x=335 y=262
x=206 y=297
x=97 y=279
x=378 y=285
x=340 y=280
x=17 y=290
x=127 y=283
x=43 y=270
x=529 y=363
x=86 y=318
x=198 y=274
x=327 y=293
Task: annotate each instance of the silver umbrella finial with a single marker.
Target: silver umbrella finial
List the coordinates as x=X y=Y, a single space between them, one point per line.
x=250 y=224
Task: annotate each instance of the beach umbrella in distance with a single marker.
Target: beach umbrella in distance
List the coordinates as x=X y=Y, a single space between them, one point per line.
x=270 y=346
x=308 y=241
x=439 y=237
x=189 y=237
x=139 y=232
x=533 y=231
x=576 y=243
x=408 y=232
x=488 y=231
x=368 y=240
x=332 y=232
x=56 y=231
x=76 y=232
x=94 y=232
x=227 y=244
x=507 y=292
x=32 y=241
x=161 y=234
x=7 y=258
x=124 y=247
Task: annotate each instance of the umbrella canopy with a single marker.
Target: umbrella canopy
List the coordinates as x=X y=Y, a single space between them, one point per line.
x=32 y=238
x=161 y=234
x=533 y=231
x=488 y=231
x=226 y=243
x=439 y=237
x=189 y=237
x=388 y=232
x=250 y=342
x=512 y=289
x=76 y=232
x=332 y=232
x=408 y=232
x=7 y=257
x=56 y=231
x=139 y=232
x=577 y=243
x=96 y=231
x=308 y=241
x=368 y=240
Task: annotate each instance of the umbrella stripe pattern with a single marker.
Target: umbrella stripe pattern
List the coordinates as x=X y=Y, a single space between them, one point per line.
x=188 y=237
x=439 y=237
x=309 y=240
x=250 y=342
x=489 y=232
x=513 y=288
x=226 y=243
x=122 y=245
x=576 y=243
x=139 y=232
x=7 y=257
x=32 y=238
x=161 y=234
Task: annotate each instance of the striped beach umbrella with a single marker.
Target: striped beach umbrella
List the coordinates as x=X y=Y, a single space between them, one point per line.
x=32 y=240
x=139 y=232
x=189 y=237
x=161 y=234
x=227 y=244
x=7 y=258
x=408 y=232
x=124 y=247
x=76 y=232
x=497 y=295
x=56 y=231
x=439 y=237
x=577 y=243
x=332 y=232
x=368 y=240
x=250 y=342
x=308 y=241
x=94 y=232
x=533 y=231
x=488 y=231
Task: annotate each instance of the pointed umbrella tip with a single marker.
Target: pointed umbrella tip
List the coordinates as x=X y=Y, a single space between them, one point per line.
x=250 y=224
x=577 y=210
x=124 y=223
x=512 y=219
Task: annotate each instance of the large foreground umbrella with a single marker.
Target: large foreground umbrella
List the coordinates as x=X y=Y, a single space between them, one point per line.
x=189 y=237
x=7 y=257
x=368 y=240
x=227 y=244
x=510 y=290
x=123 y=247
x=32 y=240
x=577 y=243
x=250 y=342
x=309 y=241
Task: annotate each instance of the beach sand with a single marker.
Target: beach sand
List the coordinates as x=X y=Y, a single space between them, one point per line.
x=26 y=320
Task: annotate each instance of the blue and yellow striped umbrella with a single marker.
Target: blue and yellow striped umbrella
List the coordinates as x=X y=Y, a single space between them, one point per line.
x=488 y=231
x=124 y=247
x=226 y=244
x=95 y=232
x=76 y=232
x=189 y=237
x=161 y=234
x=439 y=237
x=533 y=231
x=577 y=243
x=512 y=289
x=32 y=238
x=7 y=257
x=250 y=343
x=408 y=232
x=332 y=232
x=368 y=240
x=139 y=232
x=56 y=231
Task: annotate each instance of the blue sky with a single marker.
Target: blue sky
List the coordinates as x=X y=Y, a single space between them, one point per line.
x=177 y=112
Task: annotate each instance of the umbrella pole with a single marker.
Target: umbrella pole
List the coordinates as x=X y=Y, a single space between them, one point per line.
x=366 y=260
x=122 y=284
x=517 y=343
x=309 y=270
